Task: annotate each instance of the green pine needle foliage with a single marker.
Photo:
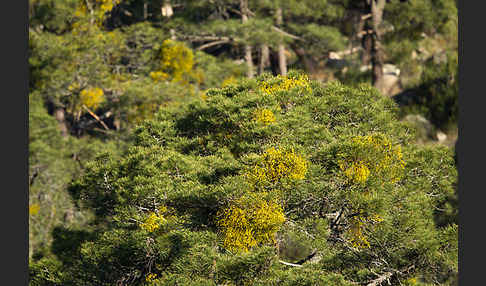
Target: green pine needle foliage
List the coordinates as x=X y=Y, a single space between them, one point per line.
x=190 y=163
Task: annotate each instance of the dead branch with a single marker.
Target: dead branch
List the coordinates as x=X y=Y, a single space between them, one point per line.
x=286 y=34
x=95 y=117
x=309 y=257
x=387 y=275
x=215 y=43
x=335 y=222
x=364 y=17
x=290 y=264
x=32 y=178
x=382 y=278
x=193 y=38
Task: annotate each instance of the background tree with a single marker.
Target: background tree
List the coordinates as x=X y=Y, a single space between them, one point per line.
x=393 y=29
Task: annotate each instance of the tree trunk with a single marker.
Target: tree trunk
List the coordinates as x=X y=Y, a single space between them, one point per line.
x=264 y=58
x=274 y=62
x=145 y=11
x=366 y=37
x=372 y=48
x=377 y=7
x=117 y=122
x=309 y=64
x=248 y=57
x=249 y=61
x=366 y=41
x=282 y=60
x=166 y=9
x=59 y=114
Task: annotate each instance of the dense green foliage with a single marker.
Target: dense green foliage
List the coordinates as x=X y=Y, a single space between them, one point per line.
x=153 y=160
x=191 y=162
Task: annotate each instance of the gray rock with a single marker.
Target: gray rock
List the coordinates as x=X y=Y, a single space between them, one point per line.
x=391 y=84
x=389 y=69
x=441 y=136
x=425 y=129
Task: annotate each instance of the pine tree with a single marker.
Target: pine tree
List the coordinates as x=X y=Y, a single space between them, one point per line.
x=221 y=190
x=393 y=29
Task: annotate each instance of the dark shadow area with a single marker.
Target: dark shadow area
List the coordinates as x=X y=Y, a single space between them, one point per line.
x=67 y=243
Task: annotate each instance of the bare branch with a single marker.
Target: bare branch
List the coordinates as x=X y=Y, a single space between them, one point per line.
x=193 y=38
x=362 y=33
x=382 y=278
x=32 y=178
x=335 y=222
x=309 y=257
x=367 y=16
x=387 y=275
x=215 y=43
x=289 y=264
x=95 y=117
x=235 y=11
x=286 y=34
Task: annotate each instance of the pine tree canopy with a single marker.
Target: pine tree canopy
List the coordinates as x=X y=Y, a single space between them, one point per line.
x=210 y=194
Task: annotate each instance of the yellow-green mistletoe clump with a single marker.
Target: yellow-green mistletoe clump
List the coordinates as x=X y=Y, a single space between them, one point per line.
x=34 y=209
x=276 y=164
x=154 y=221
x=357 y=172
x=372 y=155
x=158 y=76
x=95 y=9
x=177 y=60
x=357 y=226
x=357 y=238
x=92 y=97
x=151 y=279
x=264 y=116
x=248 y=223
x=285 y=83
x=229 y=81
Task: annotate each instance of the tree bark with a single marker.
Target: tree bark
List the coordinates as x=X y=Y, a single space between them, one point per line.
x=248 y=57
x=274 y=62
x=145 y=11
x=59 y=114
x=309 y=64
x=367 y=43
x=366 y=37
x=377 y=7
x=282 y=60
x=249 y=61
x=372 y=48
x=264 y=58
